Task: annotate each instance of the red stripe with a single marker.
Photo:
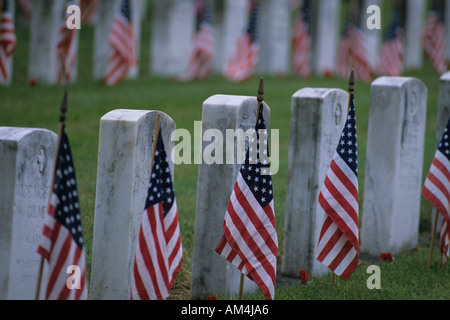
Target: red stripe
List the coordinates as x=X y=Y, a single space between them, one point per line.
x=344 y=180
x=443 y=168
x=141 y=290
x=61 y=258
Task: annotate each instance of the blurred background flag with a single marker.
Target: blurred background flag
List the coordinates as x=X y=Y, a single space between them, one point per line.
x=301 y=41
x=8 y=41
x=242 y=65
x=67 y=48
x=433 y=39
x=352 y=50
x=123 y=43
x=390 y=62
x=202 y=57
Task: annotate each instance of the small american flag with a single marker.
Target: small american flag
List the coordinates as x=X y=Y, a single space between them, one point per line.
x=66 y=49
x=7 y=41
x=62 y=240
x=250 y=240
x=436 y=189
x=391 y=56
x=352 y=53
x=301 y=42
x=88 y=10
x=159 y=253
x=242 y=65
x=123 y=44
x=338 y=244
x=433 y=39
x=202 y=57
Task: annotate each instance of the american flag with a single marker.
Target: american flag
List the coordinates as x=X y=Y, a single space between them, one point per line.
x=7 y=41
x=436 y=189
x=202 y=57
x=391 y=56
x=66 y=49
x=338 y=244
x=123 y=44
x=250 y=240
x=433 y=39
x=352 y=53
x=62 y=238
x=159 y=253
x=88 y=10
x=301 y=42
x=242 y=65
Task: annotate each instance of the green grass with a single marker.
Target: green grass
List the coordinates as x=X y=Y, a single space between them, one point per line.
x=24 y=106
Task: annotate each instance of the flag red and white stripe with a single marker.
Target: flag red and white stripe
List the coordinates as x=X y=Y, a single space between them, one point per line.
x=391 y=57
x=8 y=41
x=88 y=10
x=436 y=189
x=62 y=241
x=338 y=244
x=123 y=45
x=201 y=61
x=159 y=252
x=66 y=50
x=301 y=43
x=242 y=64
x=433 y=41
x=250 y=240
x=353 y=54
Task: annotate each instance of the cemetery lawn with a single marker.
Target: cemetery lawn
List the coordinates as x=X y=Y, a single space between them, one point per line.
x=21 y=105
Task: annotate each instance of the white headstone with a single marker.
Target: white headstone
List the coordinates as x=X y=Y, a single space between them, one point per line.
x=415 y=17
x=394 y=165
x=373 y=36
x=326 y=35
x=172 y=34
x=317 y=119
x=123 y=174
x=26 y=168
x=274 y=34
x=211 y=273
x=44 y=28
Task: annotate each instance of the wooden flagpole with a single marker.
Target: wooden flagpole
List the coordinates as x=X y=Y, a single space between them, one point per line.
x=260 y=99
x=433 y=234
x=351 y=88
x=155 y=139
x=62 y=121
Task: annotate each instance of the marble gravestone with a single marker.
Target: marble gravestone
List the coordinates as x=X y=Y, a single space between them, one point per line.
x=211 y=273
x=173 y=26
x=274 y=37
x=413 y=52
x=46 y=21
x=123 y=175
x=325 y=35
x=317 y=119
x=394 y=165
x=26 y=169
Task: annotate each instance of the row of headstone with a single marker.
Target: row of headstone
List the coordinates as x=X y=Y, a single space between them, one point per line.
x=173 y=27
x=390 y=212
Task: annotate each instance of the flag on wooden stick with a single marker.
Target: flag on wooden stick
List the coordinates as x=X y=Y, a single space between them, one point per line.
x=243 y=63
x=62 y=239
x=202 y=57
x=123 y=44
x=301 y=42
x=433 y=39
x=159 y=252
x=391 y=55
x=8 y=41
x=436 y=189
x=338 y=244
x=250 y=239
x=66 y=49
